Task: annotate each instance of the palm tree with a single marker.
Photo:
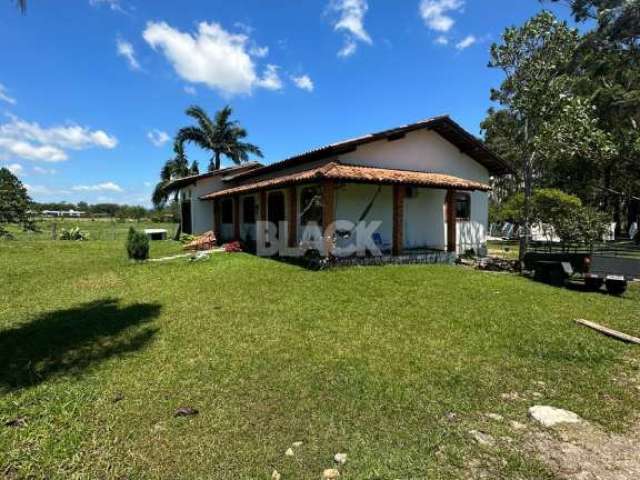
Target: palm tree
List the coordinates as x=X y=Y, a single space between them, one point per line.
x=174 y=168
x=221 y=136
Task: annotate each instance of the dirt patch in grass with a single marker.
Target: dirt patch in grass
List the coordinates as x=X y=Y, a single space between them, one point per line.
x=585 y=452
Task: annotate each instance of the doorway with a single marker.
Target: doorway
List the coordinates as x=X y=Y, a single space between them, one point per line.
x=185 y=215
x=276 y=211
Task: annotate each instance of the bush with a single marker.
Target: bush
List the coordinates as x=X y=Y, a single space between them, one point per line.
x=137 y=245
x=74 y=234
x=563 y=213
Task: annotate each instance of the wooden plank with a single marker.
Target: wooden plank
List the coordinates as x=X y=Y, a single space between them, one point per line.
x=609 y=332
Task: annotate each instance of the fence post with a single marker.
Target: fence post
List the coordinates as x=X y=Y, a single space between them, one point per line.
x=54 y=231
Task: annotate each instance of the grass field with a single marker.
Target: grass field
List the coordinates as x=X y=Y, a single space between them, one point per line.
x=99 y=229
x=366 y=361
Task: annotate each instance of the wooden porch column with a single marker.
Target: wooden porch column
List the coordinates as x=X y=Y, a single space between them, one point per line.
x=328 y=215
x=451 y=221
x=236 y=218
x=216 y=220
x=261 y=232
x=293 y=216
x=398 y=219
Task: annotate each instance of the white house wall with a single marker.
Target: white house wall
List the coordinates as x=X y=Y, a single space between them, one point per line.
x=427 y=151
x=352 y=199
x=422 y=151
x=424 y=219
x=202 y=210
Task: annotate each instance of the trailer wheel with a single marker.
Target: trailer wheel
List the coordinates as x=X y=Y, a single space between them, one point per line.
x=616 y=287
x=593 y=284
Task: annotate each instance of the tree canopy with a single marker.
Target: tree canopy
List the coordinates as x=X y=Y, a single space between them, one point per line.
x=220 y=135
x=14 y=202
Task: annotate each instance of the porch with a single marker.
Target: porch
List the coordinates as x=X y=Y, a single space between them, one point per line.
x=416 y=214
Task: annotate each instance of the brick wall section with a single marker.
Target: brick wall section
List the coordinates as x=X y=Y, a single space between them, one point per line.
x=292 y=195
x=328 y=214
x=398 y=219
x=451 y=221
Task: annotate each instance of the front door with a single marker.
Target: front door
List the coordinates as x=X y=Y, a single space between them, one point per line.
x=185 y=215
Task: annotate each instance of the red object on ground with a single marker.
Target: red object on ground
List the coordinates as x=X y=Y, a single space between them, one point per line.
x=232 y=247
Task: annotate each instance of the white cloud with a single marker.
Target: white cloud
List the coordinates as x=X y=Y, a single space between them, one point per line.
x=211 y=56
x=44 y=171
x=158 y=137
x=28 y=140
x=190 y=90
x=28 y=151
x=303 y=82
x=100 y=187
x=442 y=40
x=351 y=23
x=114 y=5
x=15 y=168
x=466 y=42
x=126 y=50
x=435 y=13
x=259 y=52
x=44 y=190
x=4 y=95
x=270 y=79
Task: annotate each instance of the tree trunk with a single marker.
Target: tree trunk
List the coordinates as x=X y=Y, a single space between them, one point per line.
x=217 y=160
x=528 y=180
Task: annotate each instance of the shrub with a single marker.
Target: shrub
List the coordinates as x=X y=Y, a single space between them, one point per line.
x=74 y=234
x=137 y=245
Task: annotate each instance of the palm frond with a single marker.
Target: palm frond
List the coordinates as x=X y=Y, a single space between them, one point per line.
x=204 y=122
x=194 y=135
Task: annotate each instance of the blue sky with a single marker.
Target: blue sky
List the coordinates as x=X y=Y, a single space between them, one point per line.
x=92 y=90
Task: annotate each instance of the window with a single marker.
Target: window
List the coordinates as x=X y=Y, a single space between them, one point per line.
x=463 y=206
x=249 y=210
x=226 y=207
x=310 y=206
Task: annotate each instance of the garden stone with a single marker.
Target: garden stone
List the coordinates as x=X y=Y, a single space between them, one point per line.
x=330 y=474
x=495 y=416
x=275 y=475
x=296 y=444
x=517 y=425
x=289 y=452
x=185 y=412
x=551 y=416
x=482 y=438
x=340 y=458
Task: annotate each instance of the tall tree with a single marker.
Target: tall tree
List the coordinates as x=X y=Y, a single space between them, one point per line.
x=538 y=102
x=607 y=66
x=174 y=168
x=14 y=203
x=220 y=135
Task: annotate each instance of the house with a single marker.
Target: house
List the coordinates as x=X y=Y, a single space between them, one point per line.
x=196 y=215
x=420 y=187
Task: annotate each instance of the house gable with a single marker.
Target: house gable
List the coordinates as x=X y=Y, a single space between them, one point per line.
x=420 y=150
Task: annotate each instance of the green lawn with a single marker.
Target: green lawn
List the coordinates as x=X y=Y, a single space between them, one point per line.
x=366 y=361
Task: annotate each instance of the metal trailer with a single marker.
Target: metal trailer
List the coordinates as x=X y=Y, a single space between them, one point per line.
x=612 y=264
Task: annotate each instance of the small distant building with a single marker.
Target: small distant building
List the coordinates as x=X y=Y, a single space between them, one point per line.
x=63 y=213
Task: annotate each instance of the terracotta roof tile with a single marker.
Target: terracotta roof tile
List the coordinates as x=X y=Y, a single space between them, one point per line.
x=357 y=174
